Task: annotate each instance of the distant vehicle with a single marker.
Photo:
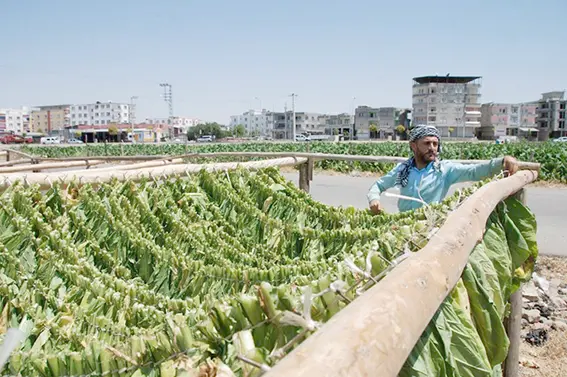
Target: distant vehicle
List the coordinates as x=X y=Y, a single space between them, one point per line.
x=74 y=141
x=301 y=137
x=50 y=140
x=15 y=139
x=205 y=139
x=562 y=139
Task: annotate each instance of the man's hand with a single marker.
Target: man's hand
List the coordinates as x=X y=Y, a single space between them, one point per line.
x=376 y=207
x=510 y=164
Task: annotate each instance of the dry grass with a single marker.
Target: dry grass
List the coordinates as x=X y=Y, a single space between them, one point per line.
x=549 y=360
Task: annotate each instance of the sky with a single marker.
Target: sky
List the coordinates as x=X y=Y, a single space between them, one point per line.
x=225 y=57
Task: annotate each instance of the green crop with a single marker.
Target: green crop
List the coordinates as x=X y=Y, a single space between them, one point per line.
x=552 y=156
x=164 y=277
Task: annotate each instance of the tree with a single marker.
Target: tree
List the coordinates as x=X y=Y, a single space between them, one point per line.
x=373 y=130
x=113 y=131
x=451 y=130
x=239 y=130
x=400 y=129
x=214 y=129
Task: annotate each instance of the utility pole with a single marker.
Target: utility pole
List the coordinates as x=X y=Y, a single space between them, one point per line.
x=286 y=121
x=168 y=97
x=293 y=95
x=132 y=115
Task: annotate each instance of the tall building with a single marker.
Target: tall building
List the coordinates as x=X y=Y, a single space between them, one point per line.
x=551 y=115
x=336 y=124
x=50 y=119
x=100 y=113
x=451 y=103
x=507 y=119
x=384 y=119
x=15 y=120
x=255 y=122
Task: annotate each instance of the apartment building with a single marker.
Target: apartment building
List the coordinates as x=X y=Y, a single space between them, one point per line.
x=180 y=124
x=50 y=119
x=15 y=120
x=100 y=113
x=448 y=102
x=551 y=115
x=335 y=124
x=255 y=122
x=385 y=119
x=507 y=119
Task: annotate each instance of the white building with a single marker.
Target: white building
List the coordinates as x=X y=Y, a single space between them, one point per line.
x=255 y=122
x=15 y=120
x=451 y=103
x=181 y=123
x=100 y=113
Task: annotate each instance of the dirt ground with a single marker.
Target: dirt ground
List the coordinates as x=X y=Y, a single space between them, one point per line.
x=550 y=359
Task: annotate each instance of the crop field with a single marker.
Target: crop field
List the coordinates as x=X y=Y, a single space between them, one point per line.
x=552 y=156
x=209 y=273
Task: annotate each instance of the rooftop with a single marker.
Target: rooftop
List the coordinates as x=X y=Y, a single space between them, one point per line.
x=445 y=79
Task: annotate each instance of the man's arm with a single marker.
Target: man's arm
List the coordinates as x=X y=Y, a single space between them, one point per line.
x=475 y=172
x=381 y=185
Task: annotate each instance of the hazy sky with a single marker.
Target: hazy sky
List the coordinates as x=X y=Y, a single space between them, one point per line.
x=220 y=55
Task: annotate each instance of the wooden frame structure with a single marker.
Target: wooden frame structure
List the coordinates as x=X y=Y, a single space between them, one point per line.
x=368 y=328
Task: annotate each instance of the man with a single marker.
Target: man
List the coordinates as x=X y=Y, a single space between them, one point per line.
x=427 y=179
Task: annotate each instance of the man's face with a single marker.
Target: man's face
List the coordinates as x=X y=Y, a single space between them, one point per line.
x=425 y=149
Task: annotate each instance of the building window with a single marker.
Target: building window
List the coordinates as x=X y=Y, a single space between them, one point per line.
x=96 y=122
x=96 y=114
x=107 y=114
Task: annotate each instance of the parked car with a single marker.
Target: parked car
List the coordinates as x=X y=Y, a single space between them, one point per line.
x=205 y=139
x=562 y=139
x=50 y=140
x=74 y=141
x=15 y=139
x=301 y=137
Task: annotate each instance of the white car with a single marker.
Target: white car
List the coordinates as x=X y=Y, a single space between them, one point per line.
x=205 y=139
x=49 y=140
x=74 y=141
x=562 y=139
x=302 y=137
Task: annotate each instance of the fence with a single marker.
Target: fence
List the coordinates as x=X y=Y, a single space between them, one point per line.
x=365 y=338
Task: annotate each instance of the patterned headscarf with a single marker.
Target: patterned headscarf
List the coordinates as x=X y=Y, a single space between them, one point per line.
x=417 y=133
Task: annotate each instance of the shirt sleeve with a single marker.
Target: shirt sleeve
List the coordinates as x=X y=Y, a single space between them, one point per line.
x=383 y=184
x=457 y=172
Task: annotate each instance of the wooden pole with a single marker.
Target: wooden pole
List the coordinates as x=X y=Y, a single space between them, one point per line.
x=310 y=167
x=374 y=335
x=514 y=322
x=304 y=177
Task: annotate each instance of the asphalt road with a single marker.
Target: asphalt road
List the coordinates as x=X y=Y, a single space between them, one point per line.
x=548 y=204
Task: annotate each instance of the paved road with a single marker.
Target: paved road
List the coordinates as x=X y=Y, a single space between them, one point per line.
x=548 y=204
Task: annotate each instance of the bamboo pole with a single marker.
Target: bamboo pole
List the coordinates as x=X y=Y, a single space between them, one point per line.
x=315 y=156
x=514 y=322
x=46 y=166
x=374 y=335
x=45 y=180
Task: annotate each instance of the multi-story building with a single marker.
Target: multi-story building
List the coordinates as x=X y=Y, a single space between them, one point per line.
x=336 y=124
x=507 y=119
x=50 y=119
x=449 y=103
x=15 y=120
x=180 y=124
x=551 y=115
x=100 y=113
x=384 y=119
x=255 y=122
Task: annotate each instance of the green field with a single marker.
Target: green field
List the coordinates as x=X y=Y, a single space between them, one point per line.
x=552 y=156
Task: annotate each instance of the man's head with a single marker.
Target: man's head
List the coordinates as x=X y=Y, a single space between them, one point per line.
x=424 y=143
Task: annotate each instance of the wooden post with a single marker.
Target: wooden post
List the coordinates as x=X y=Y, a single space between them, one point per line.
x=304 y=177
x=7 y=156
x=310 y=166
x=514 y=322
